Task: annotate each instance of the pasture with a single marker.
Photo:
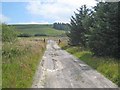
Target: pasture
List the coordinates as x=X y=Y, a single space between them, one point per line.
x=32 y=29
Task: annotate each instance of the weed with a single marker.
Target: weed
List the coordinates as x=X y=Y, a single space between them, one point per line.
x=20 y=61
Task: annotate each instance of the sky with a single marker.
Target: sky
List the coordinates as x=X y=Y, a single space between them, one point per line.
x=40 y=11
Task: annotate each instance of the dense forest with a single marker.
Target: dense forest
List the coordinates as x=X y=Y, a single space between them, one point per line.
x=96 y=28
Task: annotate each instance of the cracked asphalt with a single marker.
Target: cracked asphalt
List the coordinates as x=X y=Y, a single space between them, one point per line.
x=59 y=69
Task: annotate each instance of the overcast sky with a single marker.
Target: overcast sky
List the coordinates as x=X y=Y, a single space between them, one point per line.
x=40 y=11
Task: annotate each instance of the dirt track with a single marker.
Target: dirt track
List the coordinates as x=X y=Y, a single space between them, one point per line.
x=59 y=69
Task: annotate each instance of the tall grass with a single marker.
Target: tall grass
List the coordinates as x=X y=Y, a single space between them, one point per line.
x=105 y=65
x=19 y=62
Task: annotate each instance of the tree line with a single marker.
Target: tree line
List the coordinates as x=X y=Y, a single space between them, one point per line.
x=96 y=28
x=61 y=26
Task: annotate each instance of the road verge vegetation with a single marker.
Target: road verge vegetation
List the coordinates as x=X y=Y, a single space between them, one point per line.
x=20 y=58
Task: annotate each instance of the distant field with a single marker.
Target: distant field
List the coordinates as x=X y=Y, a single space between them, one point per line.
x=33 y=29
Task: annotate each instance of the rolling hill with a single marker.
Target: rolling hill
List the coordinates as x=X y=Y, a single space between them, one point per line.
x=33 y=29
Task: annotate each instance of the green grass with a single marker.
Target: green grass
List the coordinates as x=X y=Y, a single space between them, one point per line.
x=105 y=65
x=39 y=29
x=20 y=61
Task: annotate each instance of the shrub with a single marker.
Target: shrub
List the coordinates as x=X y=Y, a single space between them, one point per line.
x=8 y=33
x=24 y=35
x=40 y=35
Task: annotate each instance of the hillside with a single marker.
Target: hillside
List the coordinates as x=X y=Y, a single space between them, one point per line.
x=33 y=29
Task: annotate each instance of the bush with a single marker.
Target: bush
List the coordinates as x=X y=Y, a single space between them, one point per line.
x=8 y=33
x=40 y=35
x=24 y=35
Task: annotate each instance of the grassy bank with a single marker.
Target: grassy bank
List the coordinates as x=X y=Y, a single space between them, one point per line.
x=106 y=66
x=19 y=62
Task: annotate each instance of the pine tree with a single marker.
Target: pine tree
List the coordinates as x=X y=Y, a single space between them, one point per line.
x=104 y=38
x=78 y=26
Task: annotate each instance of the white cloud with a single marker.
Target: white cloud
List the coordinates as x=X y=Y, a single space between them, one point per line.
x=59 y=10
x=3 y=18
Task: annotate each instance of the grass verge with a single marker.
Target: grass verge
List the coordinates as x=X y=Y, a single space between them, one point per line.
x=105 y=65
x=20 y=61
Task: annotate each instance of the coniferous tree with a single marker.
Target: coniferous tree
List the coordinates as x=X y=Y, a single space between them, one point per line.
x=78 y=26
x=104 y=38
x=61 y=26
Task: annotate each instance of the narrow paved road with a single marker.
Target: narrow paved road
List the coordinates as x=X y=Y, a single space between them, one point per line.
x=59 y=69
